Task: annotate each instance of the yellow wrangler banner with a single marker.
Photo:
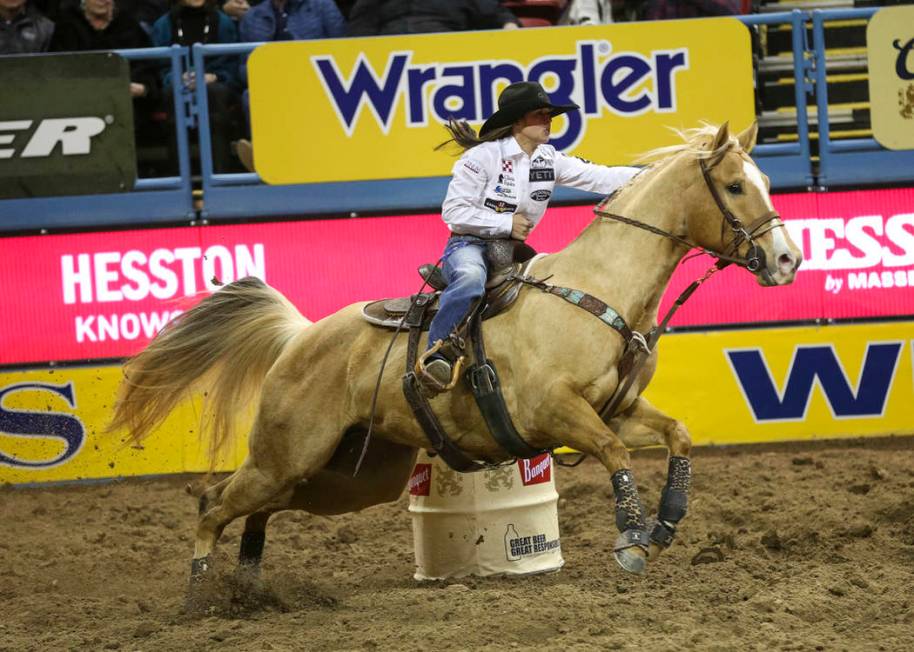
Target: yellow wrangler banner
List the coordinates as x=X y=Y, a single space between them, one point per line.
x=52 y=428
x=890 y=50
x=373 y=108
x=730 y=387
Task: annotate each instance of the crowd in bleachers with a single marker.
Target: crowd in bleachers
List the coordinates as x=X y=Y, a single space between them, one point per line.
x=33 y=26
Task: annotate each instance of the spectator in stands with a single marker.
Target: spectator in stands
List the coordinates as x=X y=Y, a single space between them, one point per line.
x=292 y=20
x=284 y=20
x=98 y=25
x=198 y=21
x=101 y=25
x=23 y=30
x=373 y=17
x=587 y=12
x=667 y=9
x=144 y=12
x=235 y=9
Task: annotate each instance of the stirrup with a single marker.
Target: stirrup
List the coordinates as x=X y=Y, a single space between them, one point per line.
x=431 y=383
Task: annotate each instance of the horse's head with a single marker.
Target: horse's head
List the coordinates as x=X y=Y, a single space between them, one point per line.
x=735 y=215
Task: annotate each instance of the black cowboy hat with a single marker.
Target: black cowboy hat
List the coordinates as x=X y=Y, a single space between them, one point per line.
x=519 y=99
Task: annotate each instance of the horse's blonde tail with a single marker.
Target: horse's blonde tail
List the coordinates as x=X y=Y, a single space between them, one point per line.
x=224 y=346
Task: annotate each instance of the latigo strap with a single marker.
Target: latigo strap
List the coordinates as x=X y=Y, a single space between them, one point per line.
x=418 y=403
x=486 y=388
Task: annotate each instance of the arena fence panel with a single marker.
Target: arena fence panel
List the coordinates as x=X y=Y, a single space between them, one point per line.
x=852 y=161
x=152 y=200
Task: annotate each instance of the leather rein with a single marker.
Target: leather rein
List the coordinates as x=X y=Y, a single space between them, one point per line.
x=741 y=233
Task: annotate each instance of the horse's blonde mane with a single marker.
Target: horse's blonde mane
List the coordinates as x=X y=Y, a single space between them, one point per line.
x=696 y=141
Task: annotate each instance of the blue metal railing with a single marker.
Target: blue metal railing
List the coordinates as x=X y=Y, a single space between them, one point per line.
x=152 y=200
x=789 y=165
x=857 y=161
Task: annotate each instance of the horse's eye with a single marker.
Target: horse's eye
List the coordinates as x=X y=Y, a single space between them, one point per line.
x=735 y=188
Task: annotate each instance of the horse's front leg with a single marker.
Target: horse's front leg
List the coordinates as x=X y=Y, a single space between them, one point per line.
x=587 y=433
x=643 y=424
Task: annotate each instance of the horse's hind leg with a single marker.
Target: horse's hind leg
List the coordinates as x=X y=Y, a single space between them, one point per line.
x=250 y=552
x=335 y=490
x=280 y=456
x=643 y=424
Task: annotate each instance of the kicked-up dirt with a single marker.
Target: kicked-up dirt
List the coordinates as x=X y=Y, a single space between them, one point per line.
x=786 y=547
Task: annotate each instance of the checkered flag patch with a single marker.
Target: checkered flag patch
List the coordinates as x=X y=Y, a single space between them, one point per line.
x=507 y=166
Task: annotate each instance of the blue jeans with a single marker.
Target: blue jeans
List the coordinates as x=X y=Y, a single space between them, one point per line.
x=465 y=271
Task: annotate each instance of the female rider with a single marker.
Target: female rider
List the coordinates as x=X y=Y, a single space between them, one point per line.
x=500 y=189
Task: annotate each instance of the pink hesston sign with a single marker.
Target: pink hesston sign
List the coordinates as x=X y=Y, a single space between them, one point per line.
x=103 y=295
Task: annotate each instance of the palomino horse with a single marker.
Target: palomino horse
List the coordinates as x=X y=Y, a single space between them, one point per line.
x=557 y=363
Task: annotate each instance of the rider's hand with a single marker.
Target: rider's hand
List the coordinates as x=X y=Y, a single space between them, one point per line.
x=520 y=227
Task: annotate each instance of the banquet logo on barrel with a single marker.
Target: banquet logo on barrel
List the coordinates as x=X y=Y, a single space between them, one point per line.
x=812 y=365
x=536 y=470
x=420 y=482
x=39 y=426
x=623 y=83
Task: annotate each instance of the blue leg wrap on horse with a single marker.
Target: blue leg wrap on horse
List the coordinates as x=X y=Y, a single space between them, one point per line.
x=674 y=501
x=629 y=511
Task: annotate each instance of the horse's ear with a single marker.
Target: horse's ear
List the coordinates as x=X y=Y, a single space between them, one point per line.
x=719 y=144
x=748 y=137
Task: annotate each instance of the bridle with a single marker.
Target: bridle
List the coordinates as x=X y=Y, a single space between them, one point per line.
x=754 y=259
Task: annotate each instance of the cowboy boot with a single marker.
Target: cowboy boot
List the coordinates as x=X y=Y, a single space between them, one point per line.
x=435 y=371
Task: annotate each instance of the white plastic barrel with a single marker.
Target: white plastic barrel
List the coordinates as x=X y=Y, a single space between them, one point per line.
x=502 y=521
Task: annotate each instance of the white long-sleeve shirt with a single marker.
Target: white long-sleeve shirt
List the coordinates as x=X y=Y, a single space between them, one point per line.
x=494 y=180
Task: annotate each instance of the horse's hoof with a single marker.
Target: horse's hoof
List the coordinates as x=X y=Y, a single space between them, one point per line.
x=631 y=559
x=195 y=604
x=199 y=599
x=247 y=577
x=653 y=552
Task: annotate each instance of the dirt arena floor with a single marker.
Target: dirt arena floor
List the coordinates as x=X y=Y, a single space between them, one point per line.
x=792 y=547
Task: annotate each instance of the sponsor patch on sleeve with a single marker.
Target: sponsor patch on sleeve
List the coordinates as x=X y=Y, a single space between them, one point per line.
x=540 y=195
x=547 y=174
x=500 y=206
x=472 y=166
